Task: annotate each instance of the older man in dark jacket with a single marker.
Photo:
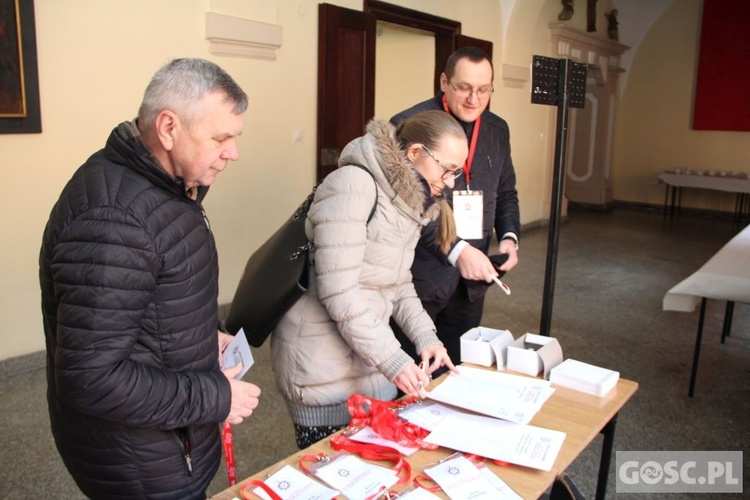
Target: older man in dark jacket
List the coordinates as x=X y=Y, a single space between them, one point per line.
x=129 y=279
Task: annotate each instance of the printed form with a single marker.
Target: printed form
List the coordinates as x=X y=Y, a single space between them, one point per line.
x=499 y=395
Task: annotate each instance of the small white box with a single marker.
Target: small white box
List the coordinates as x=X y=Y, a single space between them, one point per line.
x=532 y=354
x=485 y=346
x=584 y=377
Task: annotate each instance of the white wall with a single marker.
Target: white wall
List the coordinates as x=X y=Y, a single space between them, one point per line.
x=95 y=59
x=654 y=127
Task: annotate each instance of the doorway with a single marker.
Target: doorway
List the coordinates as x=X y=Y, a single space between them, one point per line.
x=404 y=67
x=347 y=73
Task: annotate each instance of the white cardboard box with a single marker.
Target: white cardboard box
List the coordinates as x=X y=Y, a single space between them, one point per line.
x=532 y=354
x=485 y=346
x=584 y=377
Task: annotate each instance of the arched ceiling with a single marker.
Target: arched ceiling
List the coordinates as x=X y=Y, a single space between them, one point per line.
x=521 y=17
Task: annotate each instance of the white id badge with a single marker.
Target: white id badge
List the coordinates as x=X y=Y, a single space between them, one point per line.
x=468 y=211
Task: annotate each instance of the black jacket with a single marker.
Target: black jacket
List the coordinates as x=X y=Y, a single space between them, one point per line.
x=492 y=172
x=129 y=279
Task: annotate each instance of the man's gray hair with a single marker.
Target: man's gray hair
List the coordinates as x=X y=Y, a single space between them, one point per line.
x=182 y=83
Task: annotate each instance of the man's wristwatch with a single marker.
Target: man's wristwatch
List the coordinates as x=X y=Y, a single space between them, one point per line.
x=514 y=240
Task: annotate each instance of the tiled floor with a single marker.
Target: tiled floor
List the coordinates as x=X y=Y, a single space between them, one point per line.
x=613 y=269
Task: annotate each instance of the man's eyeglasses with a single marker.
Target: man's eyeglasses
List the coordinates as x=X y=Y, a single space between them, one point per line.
x=448 y=173
x=462 y=90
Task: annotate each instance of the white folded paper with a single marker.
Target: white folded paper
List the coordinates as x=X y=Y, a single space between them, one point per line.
x=238 y=351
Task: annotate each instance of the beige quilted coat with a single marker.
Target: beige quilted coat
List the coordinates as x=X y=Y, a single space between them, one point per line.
x=336 y=340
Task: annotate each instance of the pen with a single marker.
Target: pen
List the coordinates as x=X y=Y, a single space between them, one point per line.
x=502 y=285
x=423 y=365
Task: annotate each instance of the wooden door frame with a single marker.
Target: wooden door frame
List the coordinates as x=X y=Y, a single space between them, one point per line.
x=445 y=30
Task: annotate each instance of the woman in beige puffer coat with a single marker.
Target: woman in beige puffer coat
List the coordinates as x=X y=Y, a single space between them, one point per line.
x=336 y=341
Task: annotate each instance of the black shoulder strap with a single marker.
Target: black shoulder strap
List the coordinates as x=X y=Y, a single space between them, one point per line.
x=375 y=205
x=305 y=206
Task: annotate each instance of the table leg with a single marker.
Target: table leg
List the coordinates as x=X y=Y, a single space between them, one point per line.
x=727 y=320
x=738 y=206
x=667 y=188
x=745 y=207
x=697 y=353
x=609 y=440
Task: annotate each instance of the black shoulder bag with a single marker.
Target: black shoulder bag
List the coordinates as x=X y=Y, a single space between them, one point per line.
x=275 y=277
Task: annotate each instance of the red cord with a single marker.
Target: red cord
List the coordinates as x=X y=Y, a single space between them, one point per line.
x=228 y=444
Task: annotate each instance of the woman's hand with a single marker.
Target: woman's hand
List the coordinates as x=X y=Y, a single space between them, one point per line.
x=412 y=381
x=436 y=356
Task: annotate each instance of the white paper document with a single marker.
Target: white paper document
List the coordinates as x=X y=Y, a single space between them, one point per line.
x=461 y=479
x=355 y=478
x=500 y=395
x=427 y=414
x=238 y=351
x=418 y=494
x=368 y=435
x=496 y=439
x=289 y=483
x=505 y=491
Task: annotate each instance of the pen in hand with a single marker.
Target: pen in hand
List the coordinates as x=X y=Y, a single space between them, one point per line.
x=502 y=285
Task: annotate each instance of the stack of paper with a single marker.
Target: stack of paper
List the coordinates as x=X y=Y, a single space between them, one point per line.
x=499 y=395
x=488 y=437
x=510 y=401
x=584 y=377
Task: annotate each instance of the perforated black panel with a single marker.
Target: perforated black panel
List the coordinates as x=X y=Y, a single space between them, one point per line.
x=545 y=75
x=577 y=88
x=545 y=82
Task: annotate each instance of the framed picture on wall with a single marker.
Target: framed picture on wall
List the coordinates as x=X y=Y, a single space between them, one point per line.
x=19 y=75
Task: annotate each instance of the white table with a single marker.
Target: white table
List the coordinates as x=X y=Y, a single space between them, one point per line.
x=675 y=183
x=726 y=276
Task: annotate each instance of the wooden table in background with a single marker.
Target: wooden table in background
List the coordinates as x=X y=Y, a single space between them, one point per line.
x=580 y=416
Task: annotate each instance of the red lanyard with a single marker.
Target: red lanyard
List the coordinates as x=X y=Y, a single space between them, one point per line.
x=472 y=144
x=245 y=491
x=226 y=439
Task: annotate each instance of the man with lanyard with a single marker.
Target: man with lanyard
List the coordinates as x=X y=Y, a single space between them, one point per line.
x=452 y=287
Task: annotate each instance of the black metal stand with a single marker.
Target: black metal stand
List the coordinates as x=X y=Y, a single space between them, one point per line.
x=561 y=83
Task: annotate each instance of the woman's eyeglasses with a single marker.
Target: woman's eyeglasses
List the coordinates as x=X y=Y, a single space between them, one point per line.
x=448 y=173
